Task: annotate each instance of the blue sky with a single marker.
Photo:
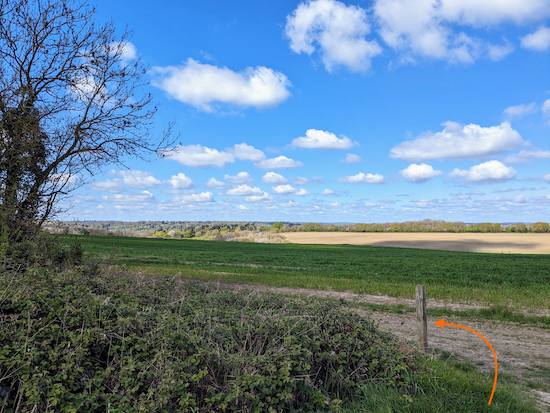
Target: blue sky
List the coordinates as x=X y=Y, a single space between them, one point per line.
x=329 y=111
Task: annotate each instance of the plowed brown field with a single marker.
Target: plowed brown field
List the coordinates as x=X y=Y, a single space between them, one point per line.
x=506 y=243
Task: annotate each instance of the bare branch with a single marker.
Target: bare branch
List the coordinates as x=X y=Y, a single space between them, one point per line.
x=70 y=103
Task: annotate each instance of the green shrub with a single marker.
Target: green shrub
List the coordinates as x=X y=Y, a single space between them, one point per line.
x=42 y=250
x=85 y=340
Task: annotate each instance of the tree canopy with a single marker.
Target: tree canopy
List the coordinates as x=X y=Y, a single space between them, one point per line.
x=71 y=102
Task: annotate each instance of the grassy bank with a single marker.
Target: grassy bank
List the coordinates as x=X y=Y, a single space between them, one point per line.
x=501 y=280
x=92 y=341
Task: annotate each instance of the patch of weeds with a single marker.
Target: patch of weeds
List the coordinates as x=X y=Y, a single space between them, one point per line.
x=537 y=385
x=500 y=313
x=509 y=378
x=541 y=372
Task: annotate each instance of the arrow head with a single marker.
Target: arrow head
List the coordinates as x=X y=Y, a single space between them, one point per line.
x=441 y=323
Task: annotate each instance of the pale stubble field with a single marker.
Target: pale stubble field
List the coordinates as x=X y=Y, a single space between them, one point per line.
x=506 y=243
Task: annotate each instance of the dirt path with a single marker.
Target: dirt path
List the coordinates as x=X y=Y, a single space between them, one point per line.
x=373 y=299
x=508 y=243
x=522 y=351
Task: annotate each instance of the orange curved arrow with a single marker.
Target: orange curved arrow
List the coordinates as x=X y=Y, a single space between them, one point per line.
x=441 y=323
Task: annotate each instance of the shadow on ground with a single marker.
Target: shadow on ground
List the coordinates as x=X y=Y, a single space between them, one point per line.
x=470 y=245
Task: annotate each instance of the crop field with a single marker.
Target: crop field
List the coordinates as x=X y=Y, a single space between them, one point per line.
x=511 y=280
x=504 y=243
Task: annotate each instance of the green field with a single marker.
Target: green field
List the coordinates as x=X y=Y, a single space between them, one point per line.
x=514 y=280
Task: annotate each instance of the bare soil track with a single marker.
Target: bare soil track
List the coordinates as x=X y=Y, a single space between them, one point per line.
x=507 y=243
x=522 y=351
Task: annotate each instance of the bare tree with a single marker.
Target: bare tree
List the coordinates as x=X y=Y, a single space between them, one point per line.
x=71 y=102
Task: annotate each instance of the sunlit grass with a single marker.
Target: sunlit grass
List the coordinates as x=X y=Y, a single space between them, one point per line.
x=446 y=386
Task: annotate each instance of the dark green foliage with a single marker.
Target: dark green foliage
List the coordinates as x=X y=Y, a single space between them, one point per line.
x=23 y=156
x=86 y=341
x=42 y=250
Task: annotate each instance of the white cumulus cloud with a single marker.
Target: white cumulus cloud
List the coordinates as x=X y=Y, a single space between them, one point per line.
x=539 y=40
x=284 y=189
x=87 y=88
x=62 y=179
x=527 y=156
x=352 y=158
x=180 y=181
x=546 y=108
x=126 y=50
x=202 y=198
x=280 y=162
x=244 y=190
x=213 y=183
x=203 y=85
x=323 y=140
x=290 y=190
x=496 y=52
x=200 y=156
x=110 y=185
x=362 y=178
x=302 y=192
x=134 y=198
x=458 y=142
x=264 y=197
x=274 y=178
x=290 y=204
x=240 y=178
x=337 y=31
x=419 y=173
x=519 y=110
x=432 y=29
x=326 y=191
x=490 y=172
x=139 y=179
x=246 y=152
x=300 y=180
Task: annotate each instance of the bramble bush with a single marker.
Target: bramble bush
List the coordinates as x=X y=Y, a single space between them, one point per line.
x=94 y=340
x=43 y=250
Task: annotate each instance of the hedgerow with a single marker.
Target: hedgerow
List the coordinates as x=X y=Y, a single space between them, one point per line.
x=94 y=340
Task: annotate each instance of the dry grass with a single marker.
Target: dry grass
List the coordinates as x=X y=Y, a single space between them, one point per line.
x=506 y=243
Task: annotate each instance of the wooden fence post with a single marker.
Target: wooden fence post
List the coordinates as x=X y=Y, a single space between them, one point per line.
x=421 y=319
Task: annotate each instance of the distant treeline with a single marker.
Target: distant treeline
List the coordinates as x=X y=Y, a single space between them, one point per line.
x=426 y=225
x=213 y=229
x=159 y=229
